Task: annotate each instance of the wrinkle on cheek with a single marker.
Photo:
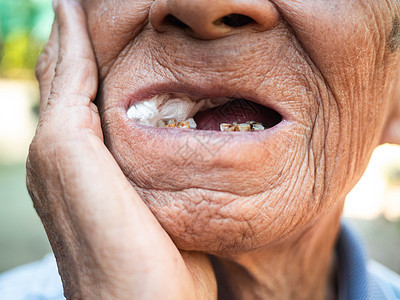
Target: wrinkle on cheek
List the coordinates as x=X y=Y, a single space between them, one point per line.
x=347 y=49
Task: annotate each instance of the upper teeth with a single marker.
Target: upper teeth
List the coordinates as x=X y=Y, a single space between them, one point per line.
x=179 y=107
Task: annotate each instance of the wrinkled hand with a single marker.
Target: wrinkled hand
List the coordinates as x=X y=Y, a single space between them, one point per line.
x=107 y=243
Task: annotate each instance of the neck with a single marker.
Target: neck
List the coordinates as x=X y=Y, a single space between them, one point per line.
x=299 y=268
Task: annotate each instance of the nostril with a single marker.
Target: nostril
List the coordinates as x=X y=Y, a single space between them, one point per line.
x=172 y=20
x=235 y=20
x=213 y=19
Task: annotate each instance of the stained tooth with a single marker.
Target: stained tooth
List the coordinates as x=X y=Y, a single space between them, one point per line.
x=234 y=127
x=244 y=127
x=229 y=127
x=187 y=124
x=171 y=123
x=183 y=124
x=224 y=126
x=161 y=123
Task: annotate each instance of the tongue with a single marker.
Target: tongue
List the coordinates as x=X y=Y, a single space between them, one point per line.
x=239 y=111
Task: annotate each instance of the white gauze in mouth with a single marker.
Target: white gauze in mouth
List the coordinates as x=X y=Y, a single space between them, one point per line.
x=178 y=107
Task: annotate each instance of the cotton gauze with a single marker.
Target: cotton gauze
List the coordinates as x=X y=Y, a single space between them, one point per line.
x=179 y=107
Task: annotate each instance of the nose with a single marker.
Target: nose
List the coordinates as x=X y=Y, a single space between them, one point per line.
x=212 y=19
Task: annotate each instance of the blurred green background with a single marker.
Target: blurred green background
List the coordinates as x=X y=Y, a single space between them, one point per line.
x=373 y=206
x=24 y=28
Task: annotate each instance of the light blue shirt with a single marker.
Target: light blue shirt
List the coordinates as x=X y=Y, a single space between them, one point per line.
x=359 y=278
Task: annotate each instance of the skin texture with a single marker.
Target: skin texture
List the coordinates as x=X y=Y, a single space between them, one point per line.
x=133 y=211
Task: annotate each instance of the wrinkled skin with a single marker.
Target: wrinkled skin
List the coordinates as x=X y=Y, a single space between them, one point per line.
x=329 y=68
x=324 y=67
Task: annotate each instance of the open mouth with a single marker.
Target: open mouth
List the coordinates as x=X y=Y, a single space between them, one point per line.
x=218 y=114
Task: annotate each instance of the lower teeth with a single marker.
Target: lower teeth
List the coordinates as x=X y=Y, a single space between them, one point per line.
x=191 y=124
x=188 y=124
x=248 y=126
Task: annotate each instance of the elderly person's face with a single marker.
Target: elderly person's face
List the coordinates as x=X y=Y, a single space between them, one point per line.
x=328 y=69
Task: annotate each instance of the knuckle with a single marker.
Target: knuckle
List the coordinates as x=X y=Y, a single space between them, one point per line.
x=34 y=155
x=31 y=184
x=44 y=140
x=41 y=162
x=34 y=166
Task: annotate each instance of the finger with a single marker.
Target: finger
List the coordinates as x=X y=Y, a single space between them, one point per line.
x=45 y=67
x=76 y=70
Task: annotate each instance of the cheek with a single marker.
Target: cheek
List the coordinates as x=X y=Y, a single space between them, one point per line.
x=339 y=37
x=114 y=27
x=346 y=42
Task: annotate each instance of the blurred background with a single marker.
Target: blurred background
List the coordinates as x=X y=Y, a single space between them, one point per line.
x=373 y=206
x=24 y=28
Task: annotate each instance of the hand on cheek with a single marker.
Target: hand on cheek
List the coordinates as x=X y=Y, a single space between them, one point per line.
x=106 y=241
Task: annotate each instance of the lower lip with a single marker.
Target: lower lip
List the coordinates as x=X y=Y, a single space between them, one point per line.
x=176 y=159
